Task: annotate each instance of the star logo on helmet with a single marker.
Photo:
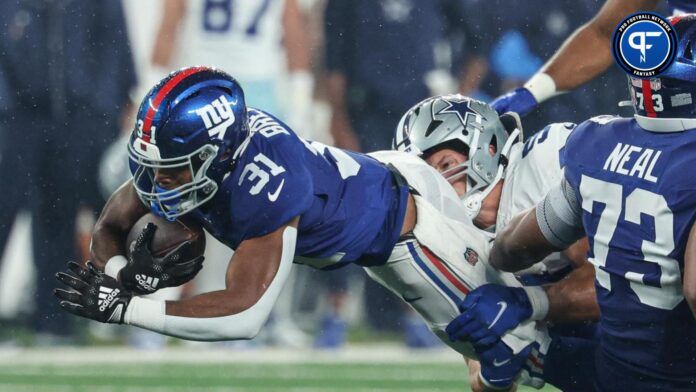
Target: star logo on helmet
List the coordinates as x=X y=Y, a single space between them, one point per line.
x=462 y=108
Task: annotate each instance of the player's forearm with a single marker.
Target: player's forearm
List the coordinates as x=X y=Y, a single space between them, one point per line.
x=587 y=52
x=239 y=311
x=213 y=316
x=583 y=56
x=107 y=242
x=153 y=315
x=573 y=299
x=213 y=304
x=121 y=211
x=554 y=224
x=519 y=245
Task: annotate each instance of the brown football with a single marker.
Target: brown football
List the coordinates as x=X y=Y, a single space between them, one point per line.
x=168 y=236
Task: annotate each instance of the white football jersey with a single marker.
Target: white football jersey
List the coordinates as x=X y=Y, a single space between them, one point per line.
x=533 y=170
x=239 y=37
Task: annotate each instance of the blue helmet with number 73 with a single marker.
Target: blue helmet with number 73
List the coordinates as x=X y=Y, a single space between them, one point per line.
x=193 y=120
x=666 y=102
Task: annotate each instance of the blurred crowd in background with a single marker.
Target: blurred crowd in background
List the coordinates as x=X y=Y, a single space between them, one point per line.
x=72 y=73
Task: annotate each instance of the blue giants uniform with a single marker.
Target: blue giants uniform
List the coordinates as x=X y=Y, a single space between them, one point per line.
x=638 y=195
x=351 y=208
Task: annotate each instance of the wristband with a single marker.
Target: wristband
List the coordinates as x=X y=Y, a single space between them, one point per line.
x=542 y=87
x=115 y=265
x=539 y=301
x=146 y=313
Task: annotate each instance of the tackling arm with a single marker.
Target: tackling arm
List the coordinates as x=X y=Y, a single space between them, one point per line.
x=689 y=284
x=583 y=56
x=587 y=52
x=573 y=299
x=554 y=224
x=521 y=244
x=257 y=272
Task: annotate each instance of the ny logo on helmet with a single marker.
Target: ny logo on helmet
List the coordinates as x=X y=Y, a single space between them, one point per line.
x=217 y=116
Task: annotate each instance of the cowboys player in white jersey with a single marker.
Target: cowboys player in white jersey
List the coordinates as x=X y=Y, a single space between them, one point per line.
x=497 y=177
x=264 y=43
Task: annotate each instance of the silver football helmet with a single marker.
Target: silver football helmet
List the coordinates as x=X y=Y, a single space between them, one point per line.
x=439 y=121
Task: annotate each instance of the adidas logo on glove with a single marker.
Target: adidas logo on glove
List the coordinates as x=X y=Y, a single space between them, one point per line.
x=106 y=296
x=147 y=282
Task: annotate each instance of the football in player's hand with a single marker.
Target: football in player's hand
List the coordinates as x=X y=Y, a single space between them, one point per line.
x=168 y=236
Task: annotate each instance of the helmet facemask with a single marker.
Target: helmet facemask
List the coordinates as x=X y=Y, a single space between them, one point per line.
x=488 y=157
x=437 y=122
x=173 y=203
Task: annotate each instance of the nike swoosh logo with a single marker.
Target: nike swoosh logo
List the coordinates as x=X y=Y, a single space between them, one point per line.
x=503 y=306
x=497 y=364
x=500 y=379
x=274 y=196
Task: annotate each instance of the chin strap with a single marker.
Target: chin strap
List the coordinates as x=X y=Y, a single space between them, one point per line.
x=473 y=202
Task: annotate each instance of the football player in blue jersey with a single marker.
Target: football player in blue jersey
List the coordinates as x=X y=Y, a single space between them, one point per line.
x=628 y=186
x=198 y=151
x=583 y=57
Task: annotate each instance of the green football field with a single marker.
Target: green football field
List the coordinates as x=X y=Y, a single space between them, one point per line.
x=121 y=370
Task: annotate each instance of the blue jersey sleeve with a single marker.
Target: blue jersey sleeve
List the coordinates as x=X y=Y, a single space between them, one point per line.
x=272 y=185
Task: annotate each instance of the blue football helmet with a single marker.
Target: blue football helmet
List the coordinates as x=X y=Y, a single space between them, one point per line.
x=194 y=119
x=660 y=101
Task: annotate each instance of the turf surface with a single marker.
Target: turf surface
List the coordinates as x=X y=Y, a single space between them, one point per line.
x=301 y=374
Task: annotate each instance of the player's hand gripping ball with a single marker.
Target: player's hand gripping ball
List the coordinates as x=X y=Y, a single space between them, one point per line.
x=161 y=254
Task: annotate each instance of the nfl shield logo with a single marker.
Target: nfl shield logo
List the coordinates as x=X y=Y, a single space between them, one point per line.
x=471 y=256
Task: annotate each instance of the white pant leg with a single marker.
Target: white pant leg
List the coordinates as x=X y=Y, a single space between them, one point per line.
x=434 y=271
x=404 y=277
